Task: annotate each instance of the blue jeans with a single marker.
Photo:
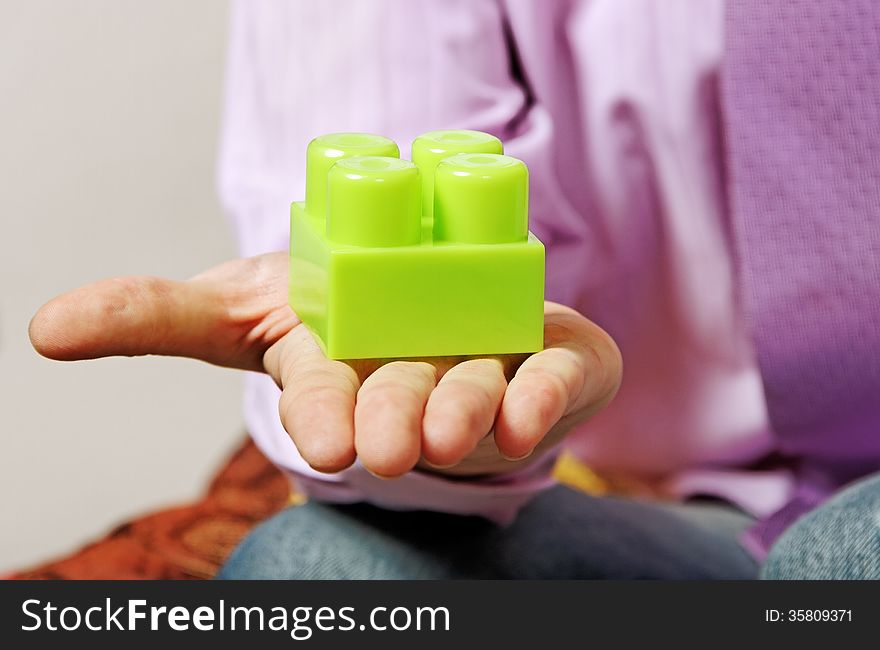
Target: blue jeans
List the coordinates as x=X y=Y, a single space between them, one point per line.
x=560 y=534
x=839 y=540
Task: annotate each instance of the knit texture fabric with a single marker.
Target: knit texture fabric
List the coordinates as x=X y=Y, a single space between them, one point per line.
x=801 y=104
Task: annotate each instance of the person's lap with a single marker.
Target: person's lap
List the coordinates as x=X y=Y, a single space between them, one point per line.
x=560 y=534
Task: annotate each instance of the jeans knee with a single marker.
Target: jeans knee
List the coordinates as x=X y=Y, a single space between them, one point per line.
x=320 y=542
x=270 y=551
x=838 y=541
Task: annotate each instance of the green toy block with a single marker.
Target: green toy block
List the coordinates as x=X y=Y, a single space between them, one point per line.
x=397 y=259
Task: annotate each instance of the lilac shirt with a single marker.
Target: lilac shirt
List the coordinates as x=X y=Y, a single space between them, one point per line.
x=713 y=205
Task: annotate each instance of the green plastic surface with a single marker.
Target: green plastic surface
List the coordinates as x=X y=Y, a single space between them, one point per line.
x=396 y=259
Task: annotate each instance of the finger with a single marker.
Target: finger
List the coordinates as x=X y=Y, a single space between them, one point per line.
x=317 y=400
x=388 y=416
x=577 y=372
x=461 y=410
x=228 y=315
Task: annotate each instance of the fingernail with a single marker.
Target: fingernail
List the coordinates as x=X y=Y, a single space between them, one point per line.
x=513 y=459
x=381 y=476
x=387 y=477
x=436 y=466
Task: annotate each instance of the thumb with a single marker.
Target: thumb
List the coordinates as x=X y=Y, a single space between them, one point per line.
x=229 y=315
x=130 y=316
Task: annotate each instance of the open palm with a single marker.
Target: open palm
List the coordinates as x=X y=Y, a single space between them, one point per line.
x=391 y=414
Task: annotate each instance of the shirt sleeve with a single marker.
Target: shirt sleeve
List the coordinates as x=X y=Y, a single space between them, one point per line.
x=298 y=69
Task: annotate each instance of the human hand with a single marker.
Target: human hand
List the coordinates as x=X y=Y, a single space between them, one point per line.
x=437 y=412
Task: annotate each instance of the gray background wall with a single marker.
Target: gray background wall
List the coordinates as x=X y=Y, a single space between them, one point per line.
x=109 y=113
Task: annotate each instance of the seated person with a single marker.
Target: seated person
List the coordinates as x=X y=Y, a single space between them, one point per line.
x=706 y=179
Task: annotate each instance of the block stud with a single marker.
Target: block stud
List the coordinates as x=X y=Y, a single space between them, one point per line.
x=374 y=201
x=430 y=148
x=326 y=150
x=481 y=199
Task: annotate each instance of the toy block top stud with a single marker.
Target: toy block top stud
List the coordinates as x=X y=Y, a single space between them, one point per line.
x=481 y=198
x=374 y=201
x=325 y=150
x=430 y=148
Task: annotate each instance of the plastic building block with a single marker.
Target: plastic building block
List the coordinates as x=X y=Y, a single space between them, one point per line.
x=396 y=259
